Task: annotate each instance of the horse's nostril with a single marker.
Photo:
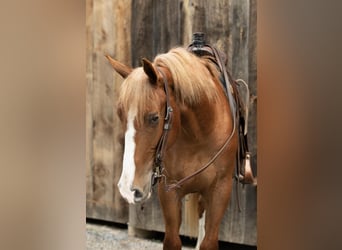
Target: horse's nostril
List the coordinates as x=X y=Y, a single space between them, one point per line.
x=137 y=194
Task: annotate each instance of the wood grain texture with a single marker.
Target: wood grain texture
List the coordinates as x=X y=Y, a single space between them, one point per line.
x=89 y=93
x=142 y=31
x=103 y=128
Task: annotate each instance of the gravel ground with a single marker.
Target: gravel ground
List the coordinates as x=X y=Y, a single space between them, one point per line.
x=101 y=237
x=113 y=237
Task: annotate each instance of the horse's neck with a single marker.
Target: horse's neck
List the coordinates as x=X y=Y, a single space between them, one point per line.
x=203 y=131
x=204 y=122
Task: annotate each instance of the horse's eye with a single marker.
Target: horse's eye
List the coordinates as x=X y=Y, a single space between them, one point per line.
x=153 y=119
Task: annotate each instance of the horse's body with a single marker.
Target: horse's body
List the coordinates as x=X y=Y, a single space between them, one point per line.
x=201 y=124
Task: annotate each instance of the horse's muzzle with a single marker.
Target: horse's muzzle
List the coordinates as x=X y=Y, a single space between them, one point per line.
x=140 y=196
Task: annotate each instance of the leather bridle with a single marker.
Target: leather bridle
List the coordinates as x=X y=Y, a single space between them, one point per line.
x=158 y=167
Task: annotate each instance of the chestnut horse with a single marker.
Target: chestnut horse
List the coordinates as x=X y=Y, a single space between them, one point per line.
x=186 y=88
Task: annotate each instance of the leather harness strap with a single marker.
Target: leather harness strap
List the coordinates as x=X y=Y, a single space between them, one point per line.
x=161 y=146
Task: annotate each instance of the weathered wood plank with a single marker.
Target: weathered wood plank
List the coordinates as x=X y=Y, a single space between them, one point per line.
x=142 y=31
x=240 y=227
x=89 y=92
x=97 y=185
x=212 y=17
x=122 y=52
x=166 y=25
x=199 y=17
x=103 y=199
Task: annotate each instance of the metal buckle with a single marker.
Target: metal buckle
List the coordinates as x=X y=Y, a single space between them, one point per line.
x=168 y=111
x=154 y=178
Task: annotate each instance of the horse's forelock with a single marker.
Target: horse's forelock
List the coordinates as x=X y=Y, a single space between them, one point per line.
x=136 y=93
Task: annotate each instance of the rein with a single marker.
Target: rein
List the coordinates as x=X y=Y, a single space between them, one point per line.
x=160 y=150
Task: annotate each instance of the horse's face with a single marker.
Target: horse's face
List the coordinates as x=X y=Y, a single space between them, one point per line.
x=143 y=124
x=141 y=139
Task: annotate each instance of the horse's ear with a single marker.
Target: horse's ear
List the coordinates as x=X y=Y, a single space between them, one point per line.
x=122 y=69
x=150 y=70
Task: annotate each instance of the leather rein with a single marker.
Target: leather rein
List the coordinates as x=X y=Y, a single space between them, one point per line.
x=158 y=167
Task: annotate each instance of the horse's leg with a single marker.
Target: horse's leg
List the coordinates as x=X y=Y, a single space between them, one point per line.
x=171 y=206
x=216 y=202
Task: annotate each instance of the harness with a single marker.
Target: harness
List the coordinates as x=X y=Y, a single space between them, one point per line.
x=239 y=113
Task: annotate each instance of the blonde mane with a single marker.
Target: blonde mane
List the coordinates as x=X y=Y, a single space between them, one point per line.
x=192 y=81
x=192 y=76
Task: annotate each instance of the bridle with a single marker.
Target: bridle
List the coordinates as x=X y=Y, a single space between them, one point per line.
x=158 y=167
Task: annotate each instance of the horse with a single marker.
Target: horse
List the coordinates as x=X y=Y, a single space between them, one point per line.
x=180 y=133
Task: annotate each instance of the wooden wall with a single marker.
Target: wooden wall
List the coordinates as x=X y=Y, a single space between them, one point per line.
x=106 y=33
x=129 y=30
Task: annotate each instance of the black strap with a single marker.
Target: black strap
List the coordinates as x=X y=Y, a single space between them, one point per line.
x=161 y=146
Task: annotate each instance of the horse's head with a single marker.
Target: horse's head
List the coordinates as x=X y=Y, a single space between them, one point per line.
x=141 y=109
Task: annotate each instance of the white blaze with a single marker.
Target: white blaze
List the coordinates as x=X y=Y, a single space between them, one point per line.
x=128 y=169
